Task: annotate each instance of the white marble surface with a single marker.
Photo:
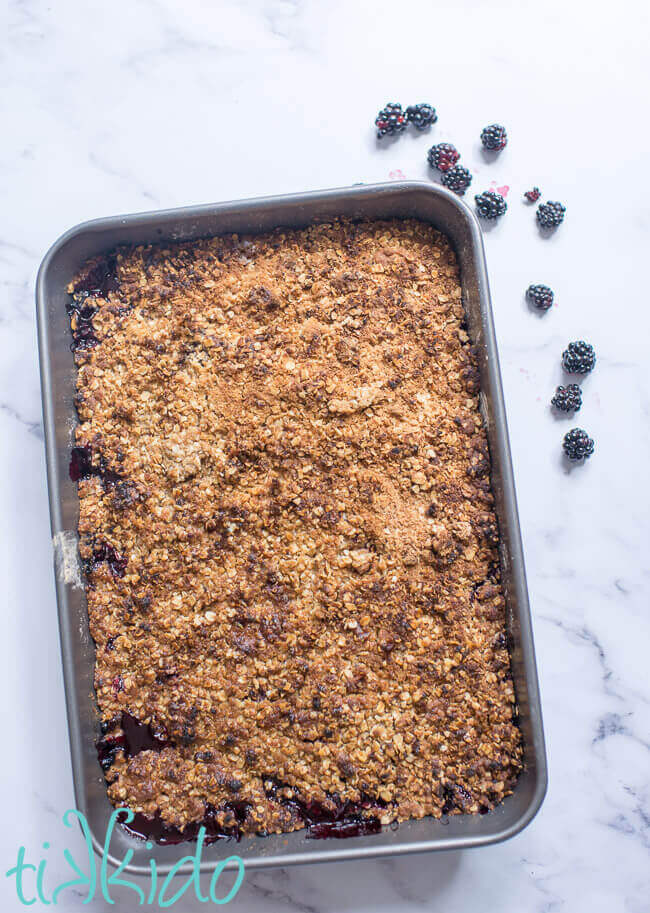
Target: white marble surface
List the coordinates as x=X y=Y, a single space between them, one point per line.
x=140 y=104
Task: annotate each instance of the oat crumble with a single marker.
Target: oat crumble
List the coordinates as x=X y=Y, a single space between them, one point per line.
x=288 y=531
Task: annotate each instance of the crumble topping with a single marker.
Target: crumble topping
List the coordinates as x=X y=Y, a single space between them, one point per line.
x=288 y=531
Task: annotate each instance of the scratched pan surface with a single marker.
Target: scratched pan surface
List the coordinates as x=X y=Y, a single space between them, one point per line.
x=446 y=212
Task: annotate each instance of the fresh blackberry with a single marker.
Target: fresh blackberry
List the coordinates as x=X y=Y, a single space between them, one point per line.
x=421 y=116
x=490 y=205
x=568 y=399
x=578 y=358
x=577 y=445
x=390 y=120
x=533 y=195
x=540 y=295
x=550 y=215
x=443 y=156
x=494 y=137
x=457 y=179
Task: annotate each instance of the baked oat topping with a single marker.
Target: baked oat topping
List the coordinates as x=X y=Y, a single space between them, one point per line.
x=288 y=531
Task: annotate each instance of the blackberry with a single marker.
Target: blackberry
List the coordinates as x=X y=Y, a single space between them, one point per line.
x=533 y=195
x=457 y=179
x=568 y=399
x=577 y=445
x=490 y=205
x=494 y=137
x=550 y=215
x=578 y=358
x=421 y=116
x=390 y=120
x=443 y=156
x=540 y=295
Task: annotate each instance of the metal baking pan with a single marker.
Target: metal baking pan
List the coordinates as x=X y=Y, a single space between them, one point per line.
x=447 y=213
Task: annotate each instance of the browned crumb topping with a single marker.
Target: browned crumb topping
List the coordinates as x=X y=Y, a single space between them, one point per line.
x=288 y=527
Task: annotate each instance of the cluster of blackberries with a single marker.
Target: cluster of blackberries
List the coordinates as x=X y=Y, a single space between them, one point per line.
x=578 y=358
x=454 y=177
x=392 y=120
x=490 y=204
x=444 y=157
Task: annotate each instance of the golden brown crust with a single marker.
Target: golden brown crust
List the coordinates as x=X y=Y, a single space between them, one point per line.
x=289 y=529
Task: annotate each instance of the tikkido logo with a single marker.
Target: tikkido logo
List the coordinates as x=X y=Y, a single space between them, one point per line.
x=102 y=884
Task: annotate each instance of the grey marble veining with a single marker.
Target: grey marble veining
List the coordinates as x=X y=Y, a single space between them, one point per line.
x=139 y=104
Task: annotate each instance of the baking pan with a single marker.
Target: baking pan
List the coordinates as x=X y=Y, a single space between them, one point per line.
x=447 y=213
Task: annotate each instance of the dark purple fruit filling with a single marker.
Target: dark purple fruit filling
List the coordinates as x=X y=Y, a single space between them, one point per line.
x=352 y=826
x=456 y=797
x=322 y=823
x=100 y=280
x=167 y=835
x=107 y=749
x=343 y=820
x=84 y=335
x=103 y=552
x=97 y=283
x=142 y=736
x=136 y=736
x=109 y=725
x=118 y=684
x=82 y=310
x=83 y=466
